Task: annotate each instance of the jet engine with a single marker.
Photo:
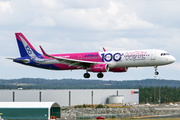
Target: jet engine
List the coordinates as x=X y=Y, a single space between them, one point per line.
x=99 y=68
x=121 y=69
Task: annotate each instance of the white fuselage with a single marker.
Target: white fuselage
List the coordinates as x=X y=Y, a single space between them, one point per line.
x=138 y=58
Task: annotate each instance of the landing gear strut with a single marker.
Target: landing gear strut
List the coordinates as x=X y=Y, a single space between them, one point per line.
x=156 y=72
x=86 y=75
x=100 y=75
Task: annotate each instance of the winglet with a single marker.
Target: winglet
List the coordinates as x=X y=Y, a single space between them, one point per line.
x=44 y=53
x=104 y=49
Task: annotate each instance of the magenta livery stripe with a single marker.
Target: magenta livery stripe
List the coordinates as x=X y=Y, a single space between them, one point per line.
x=92 y=56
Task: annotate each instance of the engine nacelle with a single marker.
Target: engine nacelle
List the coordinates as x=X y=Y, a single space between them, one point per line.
x=121 y=69
x=99 y=68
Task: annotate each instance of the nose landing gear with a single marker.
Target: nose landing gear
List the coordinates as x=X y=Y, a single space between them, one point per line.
x=156 y=72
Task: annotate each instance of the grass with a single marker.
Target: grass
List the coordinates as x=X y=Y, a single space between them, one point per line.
x=101 y=106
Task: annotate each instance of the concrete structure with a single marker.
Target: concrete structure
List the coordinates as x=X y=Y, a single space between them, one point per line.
x=29 y=110
x=68 y=97
x=116 y=99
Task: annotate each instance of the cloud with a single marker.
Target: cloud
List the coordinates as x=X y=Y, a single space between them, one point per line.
x=114 y=15
x=114 y=8
x=5 y=6
x=50 y=4
x=43 y=21
x=161 y=13
x=99 y=18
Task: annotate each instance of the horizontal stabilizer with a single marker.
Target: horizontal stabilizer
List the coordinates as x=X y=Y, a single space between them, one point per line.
x=25 y=60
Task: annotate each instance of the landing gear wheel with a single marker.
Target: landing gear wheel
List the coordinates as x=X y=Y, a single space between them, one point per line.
x=86 y=75
x=156 y=73
x=100 y=75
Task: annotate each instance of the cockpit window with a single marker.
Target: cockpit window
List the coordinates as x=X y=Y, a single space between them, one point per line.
x=163 y=54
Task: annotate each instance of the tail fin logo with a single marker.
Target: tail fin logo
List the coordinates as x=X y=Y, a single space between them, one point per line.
x=28 y=49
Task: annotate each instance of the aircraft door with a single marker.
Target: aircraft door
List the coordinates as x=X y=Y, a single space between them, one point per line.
x=153 y=55
x=80 y=57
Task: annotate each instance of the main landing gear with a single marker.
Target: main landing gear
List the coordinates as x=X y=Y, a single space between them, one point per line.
x=86 y=75
x=156 y=72
x=99 y=75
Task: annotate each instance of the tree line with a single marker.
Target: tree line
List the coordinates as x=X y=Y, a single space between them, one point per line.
x=156 y=94
x=87 y=84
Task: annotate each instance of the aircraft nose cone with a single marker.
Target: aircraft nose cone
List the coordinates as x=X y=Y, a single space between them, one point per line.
x=172 y=59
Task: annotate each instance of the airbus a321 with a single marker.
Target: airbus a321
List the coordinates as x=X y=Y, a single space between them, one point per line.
x=98 y=62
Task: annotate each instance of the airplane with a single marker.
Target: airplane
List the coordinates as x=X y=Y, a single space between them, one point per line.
x=98 y=62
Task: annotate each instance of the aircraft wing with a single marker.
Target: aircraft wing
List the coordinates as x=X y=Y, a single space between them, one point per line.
x=72 y=62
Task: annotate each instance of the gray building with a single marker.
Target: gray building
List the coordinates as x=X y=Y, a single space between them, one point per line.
x=69 y=97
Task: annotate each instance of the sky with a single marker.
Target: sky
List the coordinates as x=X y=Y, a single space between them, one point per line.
x=73 y=26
